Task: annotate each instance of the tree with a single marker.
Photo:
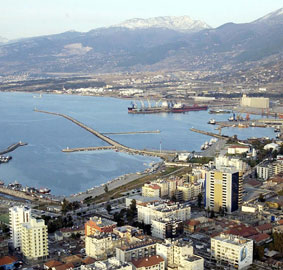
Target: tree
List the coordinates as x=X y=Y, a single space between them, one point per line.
x=261 y=198
x=108 y=208
x=106 y=189
x=199 y=200
x=174 y=199
x=133 y=206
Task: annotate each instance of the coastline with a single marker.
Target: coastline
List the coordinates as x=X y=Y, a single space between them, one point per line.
x=112 y=184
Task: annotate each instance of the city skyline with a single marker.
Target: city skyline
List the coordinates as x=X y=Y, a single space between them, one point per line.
x=40 y=18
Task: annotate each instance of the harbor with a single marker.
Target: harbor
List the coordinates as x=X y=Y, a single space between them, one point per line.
x=43 y=164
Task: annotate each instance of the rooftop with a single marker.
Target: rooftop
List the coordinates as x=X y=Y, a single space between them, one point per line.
x=147 y=262
x=231 y=239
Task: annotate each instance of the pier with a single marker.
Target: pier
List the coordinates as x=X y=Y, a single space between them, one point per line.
x=116 y=145
x=12 y=148
x=218 y=136
x=82 y=149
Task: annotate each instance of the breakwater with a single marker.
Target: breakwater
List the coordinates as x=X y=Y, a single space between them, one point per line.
x=118 y=146
x=12 y=147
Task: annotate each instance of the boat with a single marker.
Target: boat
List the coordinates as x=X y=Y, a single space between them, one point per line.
x=212 y=122
x=44 y=190
x=167 y=108
x=39 y=96
x=179 y=108
x=219 y=111
x=5 y=159
x=278 y=135
x=276 y=129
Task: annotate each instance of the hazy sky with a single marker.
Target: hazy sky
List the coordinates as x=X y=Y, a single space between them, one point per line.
x=25 y=18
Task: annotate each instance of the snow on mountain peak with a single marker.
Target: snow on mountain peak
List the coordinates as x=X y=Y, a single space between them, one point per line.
x=178 y=23
x=274 y=16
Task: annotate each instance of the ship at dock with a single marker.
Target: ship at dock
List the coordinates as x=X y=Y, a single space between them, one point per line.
x=164 y=107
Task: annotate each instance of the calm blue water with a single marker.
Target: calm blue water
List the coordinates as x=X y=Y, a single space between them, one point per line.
x=42 y=164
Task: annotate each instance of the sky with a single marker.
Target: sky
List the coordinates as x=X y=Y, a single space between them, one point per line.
x=27 y=18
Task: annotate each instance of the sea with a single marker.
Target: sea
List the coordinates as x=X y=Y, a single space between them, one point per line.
x=42 y=163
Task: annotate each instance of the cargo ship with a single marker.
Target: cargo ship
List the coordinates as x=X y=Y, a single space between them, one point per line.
x=179 y=108
x=166 y=108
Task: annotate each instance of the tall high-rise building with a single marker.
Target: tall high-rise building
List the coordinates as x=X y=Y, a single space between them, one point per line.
x=18 y=215
x=34 y=239
x=223 y=188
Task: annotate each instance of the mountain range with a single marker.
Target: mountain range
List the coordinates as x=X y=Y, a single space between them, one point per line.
x=161 y=43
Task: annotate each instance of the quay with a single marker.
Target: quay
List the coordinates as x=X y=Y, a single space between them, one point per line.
x=218 y=136
x=81 y=149
x=12 y=147
x=131 y=132
x=118 y=146
x=25 y=196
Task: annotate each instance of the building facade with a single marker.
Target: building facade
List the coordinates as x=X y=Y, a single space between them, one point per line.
x=160 y=210
x=236 y=251
x=34 y=239
x=166 y=228
x=18 y=215
x=223 y=188
x=255 y=102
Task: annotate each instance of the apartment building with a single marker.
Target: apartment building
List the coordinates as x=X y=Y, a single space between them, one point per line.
x=160 y=210
x=223 y=188
x=98 y=224
x=18 y=215
x=136 y=250
x=234 y=250
x=101 y=245
x=166 y=228
x=34 y=239
x=178 y=255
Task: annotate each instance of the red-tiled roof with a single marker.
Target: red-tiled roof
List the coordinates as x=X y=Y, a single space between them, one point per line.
x=154 y=186
x=147 y=262
x=7 y=260
x=193 y=222
x=64 y=266
x=260 y=237
x=88 y=260
x=52 y=263
x=280 y=222
x=264 y=227
x=242 y=230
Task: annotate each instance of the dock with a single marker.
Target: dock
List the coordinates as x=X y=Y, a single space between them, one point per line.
x=118 y=146
x=12 y=148
x=218 y=136
x=82 y=149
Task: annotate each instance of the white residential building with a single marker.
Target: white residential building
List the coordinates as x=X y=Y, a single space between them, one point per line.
x=110 y=264
x=236 y=251
x=18 y=215
x=136 y=250
x=179 y=254
x=224 y=161
x=188 y=191
x=148 y=212
x=34 y=239
x=101 y=245
x=166 y=228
